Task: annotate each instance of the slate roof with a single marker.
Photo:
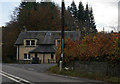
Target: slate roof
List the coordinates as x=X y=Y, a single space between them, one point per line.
x=44 y=37
x=44 y=49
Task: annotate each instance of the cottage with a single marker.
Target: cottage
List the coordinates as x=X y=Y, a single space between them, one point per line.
x=40 y=46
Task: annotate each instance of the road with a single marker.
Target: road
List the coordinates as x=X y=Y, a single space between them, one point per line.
x=35 y=73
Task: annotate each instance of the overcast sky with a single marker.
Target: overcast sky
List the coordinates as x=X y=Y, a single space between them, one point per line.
x=105 y=11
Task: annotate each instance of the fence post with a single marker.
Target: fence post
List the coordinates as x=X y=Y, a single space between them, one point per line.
x=60 y=66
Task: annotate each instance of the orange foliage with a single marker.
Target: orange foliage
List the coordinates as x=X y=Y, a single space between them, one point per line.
x=103 y=46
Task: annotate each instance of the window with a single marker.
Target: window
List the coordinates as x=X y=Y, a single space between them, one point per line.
x=26 y=56
x=30 y=42
x=27 y=42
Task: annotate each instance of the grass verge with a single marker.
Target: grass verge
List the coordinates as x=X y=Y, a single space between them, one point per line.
x=99 y=77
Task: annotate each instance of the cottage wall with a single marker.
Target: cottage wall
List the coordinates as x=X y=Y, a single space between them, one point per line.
x=23 y=50
x=43 y=57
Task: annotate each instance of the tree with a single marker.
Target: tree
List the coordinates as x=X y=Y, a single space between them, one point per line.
x=39 y=16
x=83 y=19
x=73 y=10
x=86 y=17
x=69 y=20
x=101 y=47
x=92 y=21
x=9 y=35
x=89 y=22
x=80 y=12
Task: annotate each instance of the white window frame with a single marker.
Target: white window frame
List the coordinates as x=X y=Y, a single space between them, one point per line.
x=27 y=56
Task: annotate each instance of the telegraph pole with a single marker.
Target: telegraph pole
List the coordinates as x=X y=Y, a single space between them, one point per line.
x=62 y=35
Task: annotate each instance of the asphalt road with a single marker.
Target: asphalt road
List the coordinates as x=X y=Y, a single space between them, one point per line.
x=35 y=73
x=5 y=79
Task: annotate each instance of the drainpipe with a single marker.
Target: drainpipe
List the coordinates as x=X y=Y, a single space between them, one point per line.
x=43 y=58
x=18 y=53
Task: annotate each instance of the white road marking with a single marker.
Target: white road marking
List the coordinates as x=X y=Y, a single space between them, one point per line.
x=10 y=78
x=15 y=78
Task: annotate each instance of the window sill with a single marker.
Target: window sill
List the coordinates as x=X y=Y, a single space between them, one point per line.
x=27 y=59
x=31 y=46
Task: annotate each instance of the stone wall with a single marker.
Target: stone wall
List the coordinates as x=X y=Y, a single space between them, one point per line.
x=96 y=67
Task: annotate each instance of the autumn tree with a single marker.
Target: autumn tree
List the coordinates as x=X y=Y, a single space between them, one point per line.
x=101 y=47
x=39 y=16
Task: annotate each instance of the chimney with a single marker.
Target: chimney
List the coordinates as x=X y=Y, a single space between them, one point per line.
x=24 y=29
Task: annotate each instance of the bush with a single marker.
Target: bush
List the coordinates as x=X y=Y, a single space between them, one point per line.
x=102 y=47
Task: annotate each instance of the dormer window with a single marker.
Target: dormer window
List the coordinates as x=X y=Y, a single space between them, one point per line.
x=27 y=42
x=30 y=42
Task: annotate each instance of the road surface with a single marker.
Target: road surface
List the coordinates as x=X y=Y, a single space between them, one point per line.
x=35 y=73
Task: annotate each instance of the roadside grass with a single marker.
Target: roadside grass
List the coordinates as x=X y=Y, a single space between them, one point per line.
x=99 y=77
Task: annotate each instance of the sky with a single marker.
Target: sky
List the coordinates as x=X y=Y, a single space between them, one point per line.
x=105 y=11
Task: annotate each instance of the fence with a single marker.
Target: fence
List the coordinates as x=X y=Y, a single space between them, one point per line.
x=96 y=67
x=27 y=61
x=51 y=61
x=31 y=61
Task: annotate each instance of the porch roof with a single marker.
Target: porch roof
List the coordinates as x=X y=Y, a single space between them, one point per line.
x=44 y=49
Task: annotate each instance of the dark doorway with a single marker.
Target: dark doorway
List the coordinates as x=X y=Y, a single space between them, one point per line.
x=52 y=56
x=35 y=55
x=35 y=60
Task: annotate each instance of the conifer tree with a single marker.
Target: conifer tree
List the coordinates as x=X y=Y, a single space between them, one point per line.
x=73 y=10
x=80 y=12
x=92 y=21
x=86 y=15
x=86 y=29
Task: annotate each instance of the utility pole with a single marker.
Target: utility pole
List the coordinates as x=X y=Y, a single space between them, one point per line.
x=62 y=36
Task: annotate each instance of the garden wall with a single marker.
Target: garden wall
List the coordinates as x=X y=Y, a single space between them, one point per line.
x=96 y=67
